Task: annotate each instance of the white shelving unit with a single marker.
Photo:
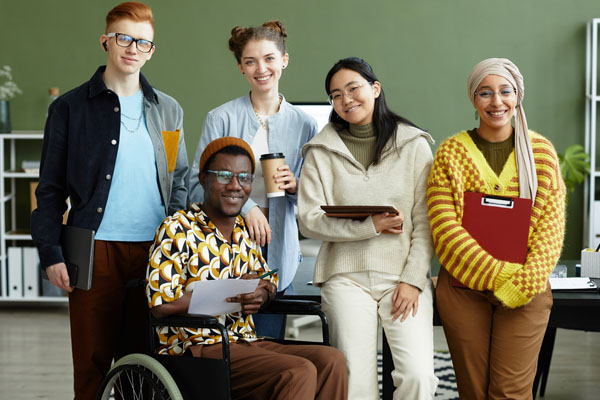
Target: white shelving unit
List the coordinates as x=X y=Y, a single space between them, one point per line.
x=9 y=173
x=591 y=205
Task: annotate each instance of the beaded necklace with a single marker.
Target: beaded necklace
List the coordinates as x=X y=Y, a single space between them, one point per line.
x=263 y=123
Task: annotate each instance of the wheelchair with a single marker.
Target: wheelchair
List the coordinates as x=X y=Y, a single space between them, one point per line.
x=166 y=377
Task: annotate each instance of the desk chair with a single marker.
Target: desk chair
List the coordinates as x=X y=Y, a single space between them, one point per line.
x=156 y=376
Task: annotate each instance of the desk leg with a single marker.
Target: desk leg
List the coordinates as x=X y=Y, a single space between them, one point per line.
x=544 y=359
x=388 y=367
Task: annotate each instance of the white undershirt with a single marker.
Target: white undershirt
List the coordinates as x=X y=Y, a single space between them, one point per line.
x=259 y=146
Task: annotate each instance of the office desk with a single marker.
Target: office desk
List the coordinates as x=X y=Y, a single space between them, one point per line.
x=580 y=311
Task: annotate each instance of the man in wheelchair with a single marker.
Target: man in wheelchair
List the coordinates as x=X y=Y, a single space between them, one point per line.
x=210 y=241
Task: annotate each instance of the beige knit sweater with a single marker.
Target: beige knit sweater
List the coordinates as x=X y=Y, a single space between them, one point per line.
x=332 y=176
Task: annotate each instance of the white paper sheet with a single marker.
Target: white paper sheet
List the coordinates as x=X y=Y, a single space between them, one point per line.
x=209 y=297
x=571 y=283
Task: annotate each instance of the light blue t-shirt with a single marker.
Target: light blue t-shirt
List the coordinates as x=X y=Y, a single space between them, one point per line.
x=134 y=208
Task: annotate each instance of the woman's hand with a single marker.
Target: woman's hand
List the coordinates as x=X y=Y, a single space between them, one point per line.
x=258 y=226
x=287 y=177
x=388 y=223
x=405 y=299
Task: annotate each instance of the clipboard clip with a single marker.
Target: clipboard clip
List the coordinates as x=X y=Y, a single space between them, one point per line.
x=490 y=200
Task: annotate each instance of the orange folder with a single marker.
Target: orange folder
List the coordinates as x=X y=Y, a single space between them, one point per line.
x=499 y=224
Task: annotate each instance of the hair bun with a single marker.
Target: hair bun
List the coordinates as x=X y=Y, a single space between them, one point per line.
x=238 y=30
x=277 y=26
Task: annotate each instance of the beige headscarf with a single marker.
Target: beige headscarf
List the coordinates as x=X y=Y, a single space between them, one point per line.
x=523 y=152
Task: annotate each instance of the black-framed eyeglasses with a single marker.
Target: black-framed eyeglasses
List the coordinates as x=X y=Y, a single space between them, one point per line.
x=225 y=177
x=123 y=40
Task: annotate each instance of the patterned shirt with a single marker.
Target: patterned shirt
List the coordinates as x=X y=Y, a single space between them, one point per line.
x=188 y=247
x=459 y=167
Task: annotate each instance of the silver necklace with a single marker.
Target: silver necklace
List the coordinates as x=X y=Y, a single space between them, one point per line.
x=139 y=120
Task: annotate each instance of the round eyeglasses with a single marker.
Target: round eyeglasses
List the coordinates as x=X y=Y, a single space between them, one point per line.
x=505 y=93
x=351 y=90
x=123 y=40
x=225 y=177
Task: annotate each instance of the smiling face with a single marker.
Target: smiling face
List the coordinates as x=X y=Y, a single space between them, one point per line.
x=223 y=202
x=262 y=64
x=355 y=96
x=127 y=60
x=495 y=114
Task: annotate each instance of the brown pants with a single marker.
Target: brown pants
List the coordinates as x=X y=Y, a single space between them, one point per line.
x=494 y=348
x=110 y=320
x=266 y=370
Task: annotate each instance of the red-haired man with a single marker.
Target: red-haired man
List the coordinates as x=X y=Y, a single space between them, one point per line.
x=114 y=146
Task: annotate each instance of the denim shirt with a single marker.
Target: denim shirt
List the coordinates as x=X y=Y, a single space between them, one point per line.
x=79 y=152
x=289 y=129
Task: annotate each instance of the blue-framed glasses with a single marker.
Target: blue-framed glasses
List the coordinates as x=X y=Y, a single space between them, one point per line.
x=225 y=177
x=124 y=40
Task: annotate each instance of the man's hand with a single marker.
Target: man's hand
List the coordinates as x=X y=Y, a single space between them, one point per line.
x=59 y=276
x=258 y=226
x=405 y=300
x=251 y=302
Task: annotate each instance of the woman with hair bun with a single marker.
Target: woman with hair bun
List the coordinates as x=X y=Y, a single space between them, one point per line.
x=376 y=269
x=270 y=124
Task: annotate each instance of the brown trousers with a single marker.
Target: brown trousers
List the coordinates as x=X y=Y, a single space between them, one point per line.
x=494 y=348
x=266 y=370
x=110 y=320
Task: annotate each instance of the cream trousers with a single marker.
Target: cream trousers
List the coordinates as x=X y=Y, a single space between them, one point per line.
x=354 y=302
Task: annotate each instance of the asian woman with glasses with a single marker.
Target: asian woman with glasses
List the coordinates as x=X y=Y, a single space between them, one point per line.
x=270 y=124
x=495 y=312
x=374 y=269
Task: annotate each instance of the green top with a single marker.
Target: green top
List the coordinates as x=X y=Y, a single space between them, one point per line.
x=361 y=141
x=495 y=153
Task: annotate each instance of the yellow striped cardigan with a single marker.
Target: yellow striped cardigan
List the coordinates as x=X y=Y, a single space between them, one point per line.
x=459 y=166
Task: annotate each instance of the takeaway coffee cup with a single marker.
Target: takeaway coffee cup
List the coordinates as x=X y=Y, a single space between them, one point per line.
x=269 y=163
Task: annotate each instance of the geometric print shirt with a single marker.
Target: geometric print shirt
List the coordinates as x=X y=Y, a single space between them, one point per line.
x=459 y=167
x=188 y=248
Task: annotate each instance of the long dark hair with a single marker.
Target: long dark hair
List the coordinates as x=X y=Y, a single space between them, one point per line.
x=385 y=121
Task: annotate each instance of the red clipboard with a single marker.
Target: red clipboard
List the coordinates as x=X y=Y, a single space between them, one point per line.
x=499 y=224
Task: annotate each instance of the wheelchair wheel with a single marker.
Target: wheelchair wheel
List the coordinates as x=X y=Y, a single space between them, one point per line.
x=138 y=376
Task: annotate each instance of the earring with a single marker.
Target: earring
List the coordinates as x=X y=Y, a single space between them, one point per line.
x=476 y=115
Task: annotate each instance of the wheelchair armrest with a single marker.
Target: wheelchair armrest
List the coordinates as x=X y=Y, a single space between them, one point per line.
x=192 y=321
x=297 y=307
x=187 y=320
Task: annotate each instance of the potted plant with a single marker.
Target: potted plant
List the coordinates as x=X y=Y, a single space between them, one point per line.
x=8 y=90
x=574 y=166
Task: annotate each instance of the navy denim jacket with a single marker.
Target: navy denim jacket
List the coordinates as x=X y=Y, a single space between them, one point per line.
x=79 y=152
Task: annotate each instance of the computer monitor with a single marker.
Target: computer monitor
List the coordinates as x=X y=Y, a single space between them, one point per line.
x=319 y=111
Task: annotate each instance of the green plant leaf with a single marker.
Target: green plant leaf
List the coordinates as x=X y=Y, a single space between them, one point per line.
x=574 y=165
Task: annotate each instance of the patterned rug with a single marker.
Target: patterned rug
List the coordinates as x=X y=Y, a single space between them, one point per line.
x=442 y=364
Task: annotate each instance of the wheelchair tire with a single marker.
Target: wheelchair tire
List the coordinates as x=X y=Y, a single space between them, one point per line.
x=141 y=377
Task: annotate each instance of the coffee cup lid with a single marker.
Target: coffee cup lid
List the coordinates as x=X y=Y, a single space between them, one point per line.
x=270 y=156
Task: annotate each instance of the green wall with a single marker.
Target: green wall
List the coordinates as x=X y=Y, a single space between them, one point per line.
x=422 y=52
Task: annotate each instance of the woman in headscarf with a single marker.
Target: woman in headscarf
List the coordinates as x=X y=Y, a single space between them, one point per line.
x=495 y=312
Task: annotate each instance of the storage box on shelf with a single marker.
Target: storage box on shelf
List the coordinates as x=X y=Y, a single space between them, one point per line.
x=19 y=262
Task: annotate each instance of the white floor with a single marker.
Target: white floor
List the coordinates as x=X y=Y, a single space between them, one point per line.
x=35 y=354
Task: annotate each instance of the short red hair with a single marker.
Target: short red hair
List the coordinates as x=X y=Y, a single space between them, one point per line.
x=133 y=10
